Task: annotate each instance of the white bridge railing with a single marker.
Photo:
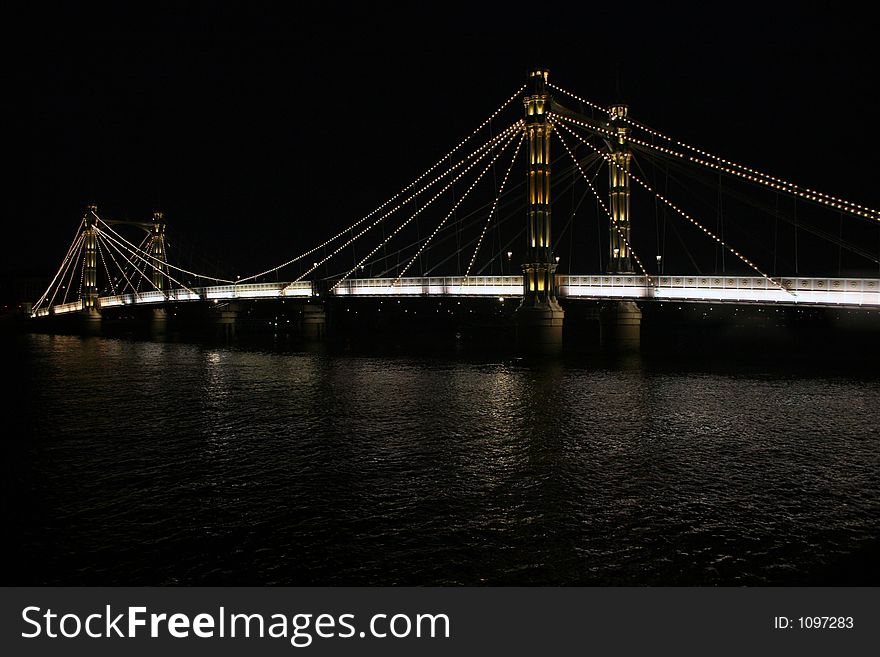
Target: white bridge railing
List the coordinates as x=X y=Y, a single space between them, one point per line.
x=842 y=292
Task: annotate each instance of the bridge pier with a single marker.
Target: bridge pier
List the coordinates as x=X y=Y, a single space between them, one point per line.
x=539 y=318
x=158 y=322
x=313 y=325
x=223 y=320
x=625 y=326
x=89 y=322
x=539 y=329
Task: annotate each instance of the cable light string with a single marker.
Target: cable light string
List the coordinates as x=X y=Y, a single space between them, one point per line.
x=71 y=265
x=80 y=258
x=734 y=168
x=763 y=179
x=398 y=194
x=515 y=126
x=159 y=260
x=454 y=208
x=479 y=154
x=825 y=235
x=674 y=207
x=150 y=264
x=495 y=204
x=121 y=271
x=604 y=207
x=66 y=264
x=106 y=269
x=70 y=249
x=128 y=283
x=148 y=279
x=114 y=246
x=81 y=276
x=578 y=98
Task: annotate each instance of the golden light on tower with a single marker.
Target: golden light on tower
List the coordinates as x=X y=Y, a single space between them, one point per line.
x=539 y=317
x=620 y=259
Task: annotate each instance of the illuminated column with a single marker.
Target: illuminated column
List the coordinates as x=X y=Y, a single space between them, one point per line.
x=90 y=268
x=620 y=259
x=539 y=317
x=157 y=250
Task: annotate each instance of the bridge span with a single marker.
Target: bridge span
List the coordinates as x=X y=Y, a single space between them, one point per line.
x=816 y=292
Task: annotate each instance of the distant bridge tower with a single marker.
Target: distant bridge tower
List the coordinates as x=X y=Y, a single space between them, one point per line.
x=539 y=316
x=90 y=263
x=620 y=259
x=157 y=250
x=90 y=317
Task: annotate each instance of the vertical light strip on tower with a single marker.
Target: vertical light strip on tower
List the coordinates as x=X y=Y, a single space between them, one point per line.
x=539 y=269
x=90 y=261
x=620 y=259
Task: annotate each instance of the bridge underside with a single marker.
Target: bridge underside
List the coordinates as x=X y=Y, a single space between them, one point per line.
x=828 y=292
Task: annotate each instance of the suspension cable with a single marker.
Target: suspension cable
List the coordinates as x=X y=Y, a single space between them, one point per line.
x=150 y=264
x=752 y=175
x=121 y=270
x=73 y=243
x=159 y=260
x=676 y=208
x=398 y=194
x=604 y=207
x=455 y=207
x=503 y=134
x=476 y=156
x=495 y=204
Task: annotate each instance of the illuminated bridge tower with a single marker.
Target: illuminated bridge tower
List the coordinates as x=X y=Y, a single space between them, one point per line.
x=157 y=250
x=89 y=314
x=626 y=316
x=539 y=317
x=620 y=259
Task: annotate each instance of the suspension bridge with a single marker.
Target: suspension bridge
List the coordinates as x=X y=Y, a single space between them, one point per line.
x=466 y=251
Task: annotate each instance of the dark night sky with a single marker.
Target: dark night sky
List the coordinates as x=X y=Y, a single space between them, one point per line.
x=258 y=131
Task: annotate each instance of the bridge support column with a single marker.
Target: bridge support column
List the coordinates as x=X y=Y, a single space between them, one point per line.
x=89 y=322
x=89 y=316
x=158 y=322
x=314 y=322
x=223 y=320
x=539 y=317
x=625 y=326
x=620 y=258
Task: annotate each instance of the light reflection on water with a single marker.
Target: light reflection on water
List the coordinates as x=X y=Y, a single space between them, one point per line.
x=159 y=463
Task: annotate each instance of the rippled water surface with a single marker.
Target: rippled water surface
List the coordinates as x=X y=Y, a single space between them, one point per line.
x=135 y=462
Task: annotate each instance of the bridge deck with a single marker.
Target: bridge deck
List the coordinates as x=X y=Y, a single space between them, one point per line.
x=836 y=292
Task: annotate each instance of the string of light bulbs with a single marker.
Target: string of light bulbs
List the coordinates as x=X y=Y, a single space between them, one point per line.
x=454 y=208
x=121 y=271
x=577 y=98
x=159 y=260
x=398 y=194
x=72 y=267
x=73 y=243
x=479 y=154
x=775 y=183
x=146 y=261
x=106 y=269
x=495 y=205
x=602 y=203
x=672 y=205
x=515 y=126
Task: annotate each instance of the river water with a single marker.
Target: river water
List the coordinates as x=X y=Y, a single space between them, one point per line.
x=138 y=462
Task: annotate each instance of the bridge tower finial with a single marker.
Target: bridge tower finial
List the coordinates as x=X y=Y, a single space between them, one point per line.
x=539 y=317
x=620 y=258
